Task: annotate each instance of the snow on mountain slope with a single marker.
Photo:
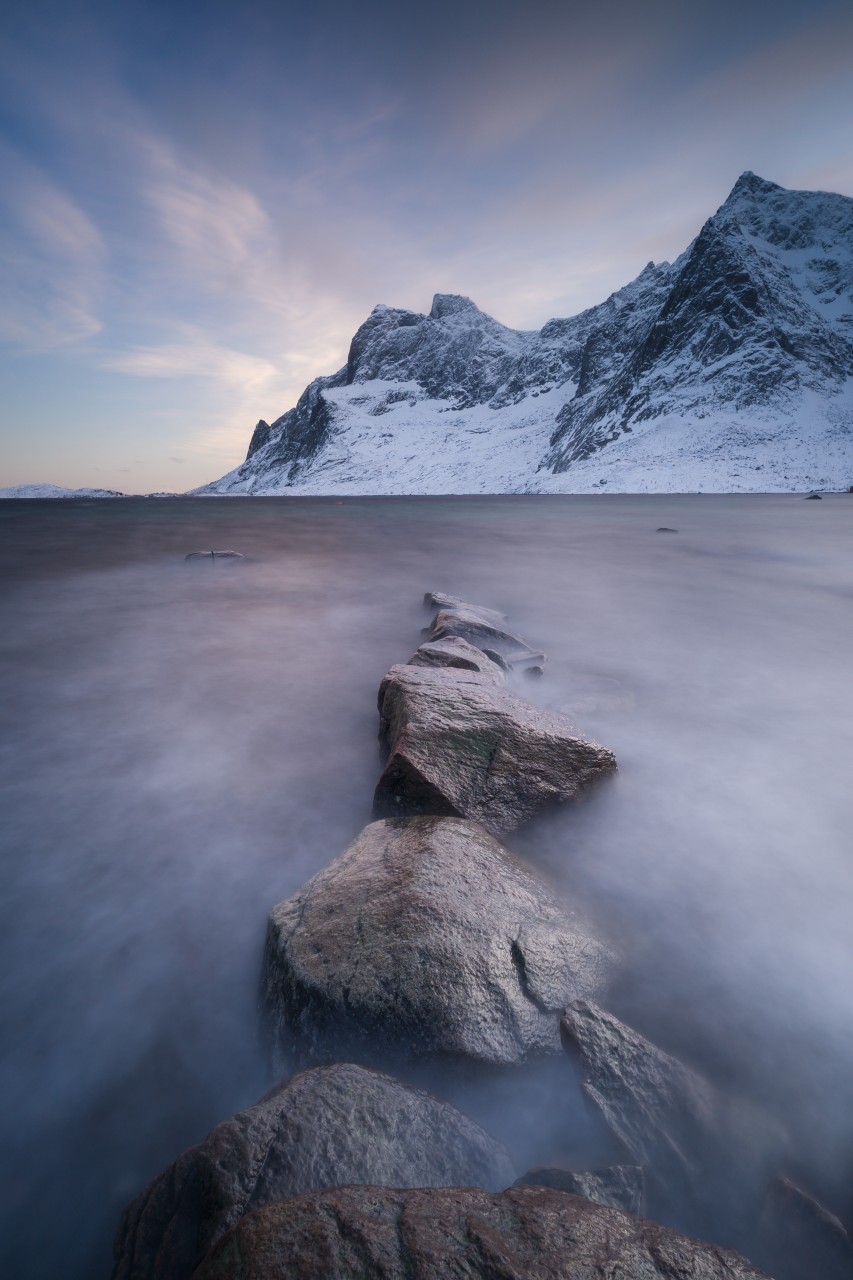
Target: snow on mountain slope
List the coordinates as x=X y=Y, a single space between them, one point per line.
x=56 y=491
x=731 y=369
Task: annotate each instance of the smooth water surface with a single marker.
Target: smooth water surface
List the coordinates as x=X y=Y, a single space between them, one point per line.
x=187 y=742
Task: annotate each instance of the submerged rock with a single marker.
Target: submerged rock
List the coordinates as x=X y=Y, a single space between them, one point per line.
x=327 y=1127
x=801 y=1240
x=425 y=937
x=619 y=1187
x=456 y=652
x=215 y=555
x=460 y=746
x=526 y=1233
x=697 y=1145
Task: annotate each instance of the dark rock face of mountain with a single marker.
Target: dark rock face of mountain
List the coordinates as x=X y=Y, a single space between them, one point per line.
x=727 y=343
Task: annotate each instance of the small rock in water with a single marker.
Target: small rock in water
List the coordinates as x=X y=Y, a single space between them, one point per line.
x=330 y=1126
x=620 y=1187
x=472 y=625
x=526 y=1233
x=536 y=671
x=814 y=497
x=425 y=938
x=215 y=555
x=461 y=746
x=664 y=529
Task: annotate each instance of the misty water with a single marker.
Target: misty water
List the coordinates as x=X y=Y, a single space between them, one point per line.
x=187 y=743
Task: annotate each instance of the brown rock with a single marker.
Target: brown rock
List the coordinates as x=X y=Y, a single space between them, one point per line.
x=333 y=1125
x=526 y=1233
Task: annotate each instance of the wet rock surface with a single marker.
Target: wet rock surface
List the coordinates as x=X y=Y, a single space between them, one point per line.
x=800 y=1238
x=526 y=1233
x=478 y=627
x=441 y=600
x=425 y=938
x=460 y=746
x=456 y=652
x=622 y=1186
x=326 y=1127
x=697 y=1145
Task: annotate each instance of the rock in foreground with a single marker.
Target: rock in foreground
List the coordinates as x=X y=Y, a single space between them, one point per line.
x=526 y=1233
x=459 y=746
x=324 y=1128
x=425 y=937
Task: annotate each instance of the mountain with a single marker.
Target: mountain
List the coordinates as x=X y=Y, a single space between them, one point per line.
x=730 y=369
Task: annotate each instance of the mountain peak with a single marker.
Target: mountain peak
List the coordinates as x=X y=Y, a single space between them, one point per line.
x=751 y=185
x=451 y=304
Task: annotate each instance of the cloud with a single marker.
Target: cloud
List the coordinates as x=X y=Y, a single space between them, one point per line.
x=198 y=357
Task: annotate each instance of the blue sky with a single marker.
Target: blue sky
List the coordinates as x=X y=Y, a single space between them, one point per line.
x=201 y=201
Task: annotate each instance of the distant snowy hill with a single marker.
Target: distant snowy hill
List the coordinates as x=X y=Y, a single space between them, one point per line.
x=729 y=370
x=55 y=491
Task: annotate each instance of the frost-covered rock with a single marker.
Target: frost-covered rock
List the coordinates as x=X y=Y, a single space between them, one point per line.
x=425 y=938
x=730 y=369
x=459 y=745
x=328 y=1127
x=526 y=1233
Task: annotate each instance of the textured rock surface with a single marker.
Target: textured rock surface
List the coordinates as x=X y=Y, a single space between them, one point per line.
x=441 y=600
x=729 y=369
x=698 y=1146
x=526 y=1233
x=460 y=746
x=455 y=652
x=619 y=1187
x=469 y=622
x=425 y=937
x=327 y=1127
x=801 y=1240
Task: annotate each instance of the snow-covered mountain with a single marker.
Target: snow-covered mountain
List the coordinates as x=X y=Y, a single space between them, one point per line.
x=729 y=369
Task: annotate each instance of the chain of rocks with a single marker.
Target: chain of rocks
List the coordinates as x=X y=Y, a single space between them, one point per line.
x=429 y=942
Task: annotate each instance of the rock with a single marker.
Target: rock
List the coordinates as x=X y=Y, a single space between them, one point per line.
x=696 y=1144
x=619 y=1187
x=663 y=529
x=814 y=497
x=327 y=1127
x=439 y=600
x=215 y=555
x=425 y=938
x=461 y=747
x=470 y=623
x=526 y=1233
x=456 y=652
x=536 y=671
x=801 y=1239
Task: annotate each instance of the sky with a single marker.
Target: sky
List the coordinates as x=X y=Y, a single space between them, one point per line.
x=201 y=202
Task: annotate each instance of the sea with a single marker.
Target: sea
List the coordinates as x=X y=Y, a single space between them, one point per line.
x=187 y=741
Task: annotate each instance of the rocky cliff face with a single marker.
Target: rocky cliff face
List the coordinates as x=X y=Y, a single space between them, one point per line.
x=731 y=369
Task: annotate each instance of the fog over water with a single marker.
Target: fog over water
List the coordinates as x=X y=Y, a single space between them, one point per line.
x=187 y=743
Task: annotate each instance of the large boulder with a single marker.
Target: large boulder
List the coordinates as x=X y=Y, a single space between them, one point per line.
x=458 y=653
x=620 y=1187
x=460 y=746
x=703 y=1150
x=425 y=937
x=441 y=600
x=526 y=1233
x=324 y=1128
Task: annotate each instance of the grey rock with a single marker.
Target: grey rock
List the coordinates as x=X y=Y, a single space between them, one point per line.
x=459 y=746
x=440 y=600
x=425 y=938
x=696 y=1143
x=327 y=1127
x=801 y=1239
x=469 y=623
x=215 y=555
x=456 y=652
x=619 y=1187
x=526 y=1233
